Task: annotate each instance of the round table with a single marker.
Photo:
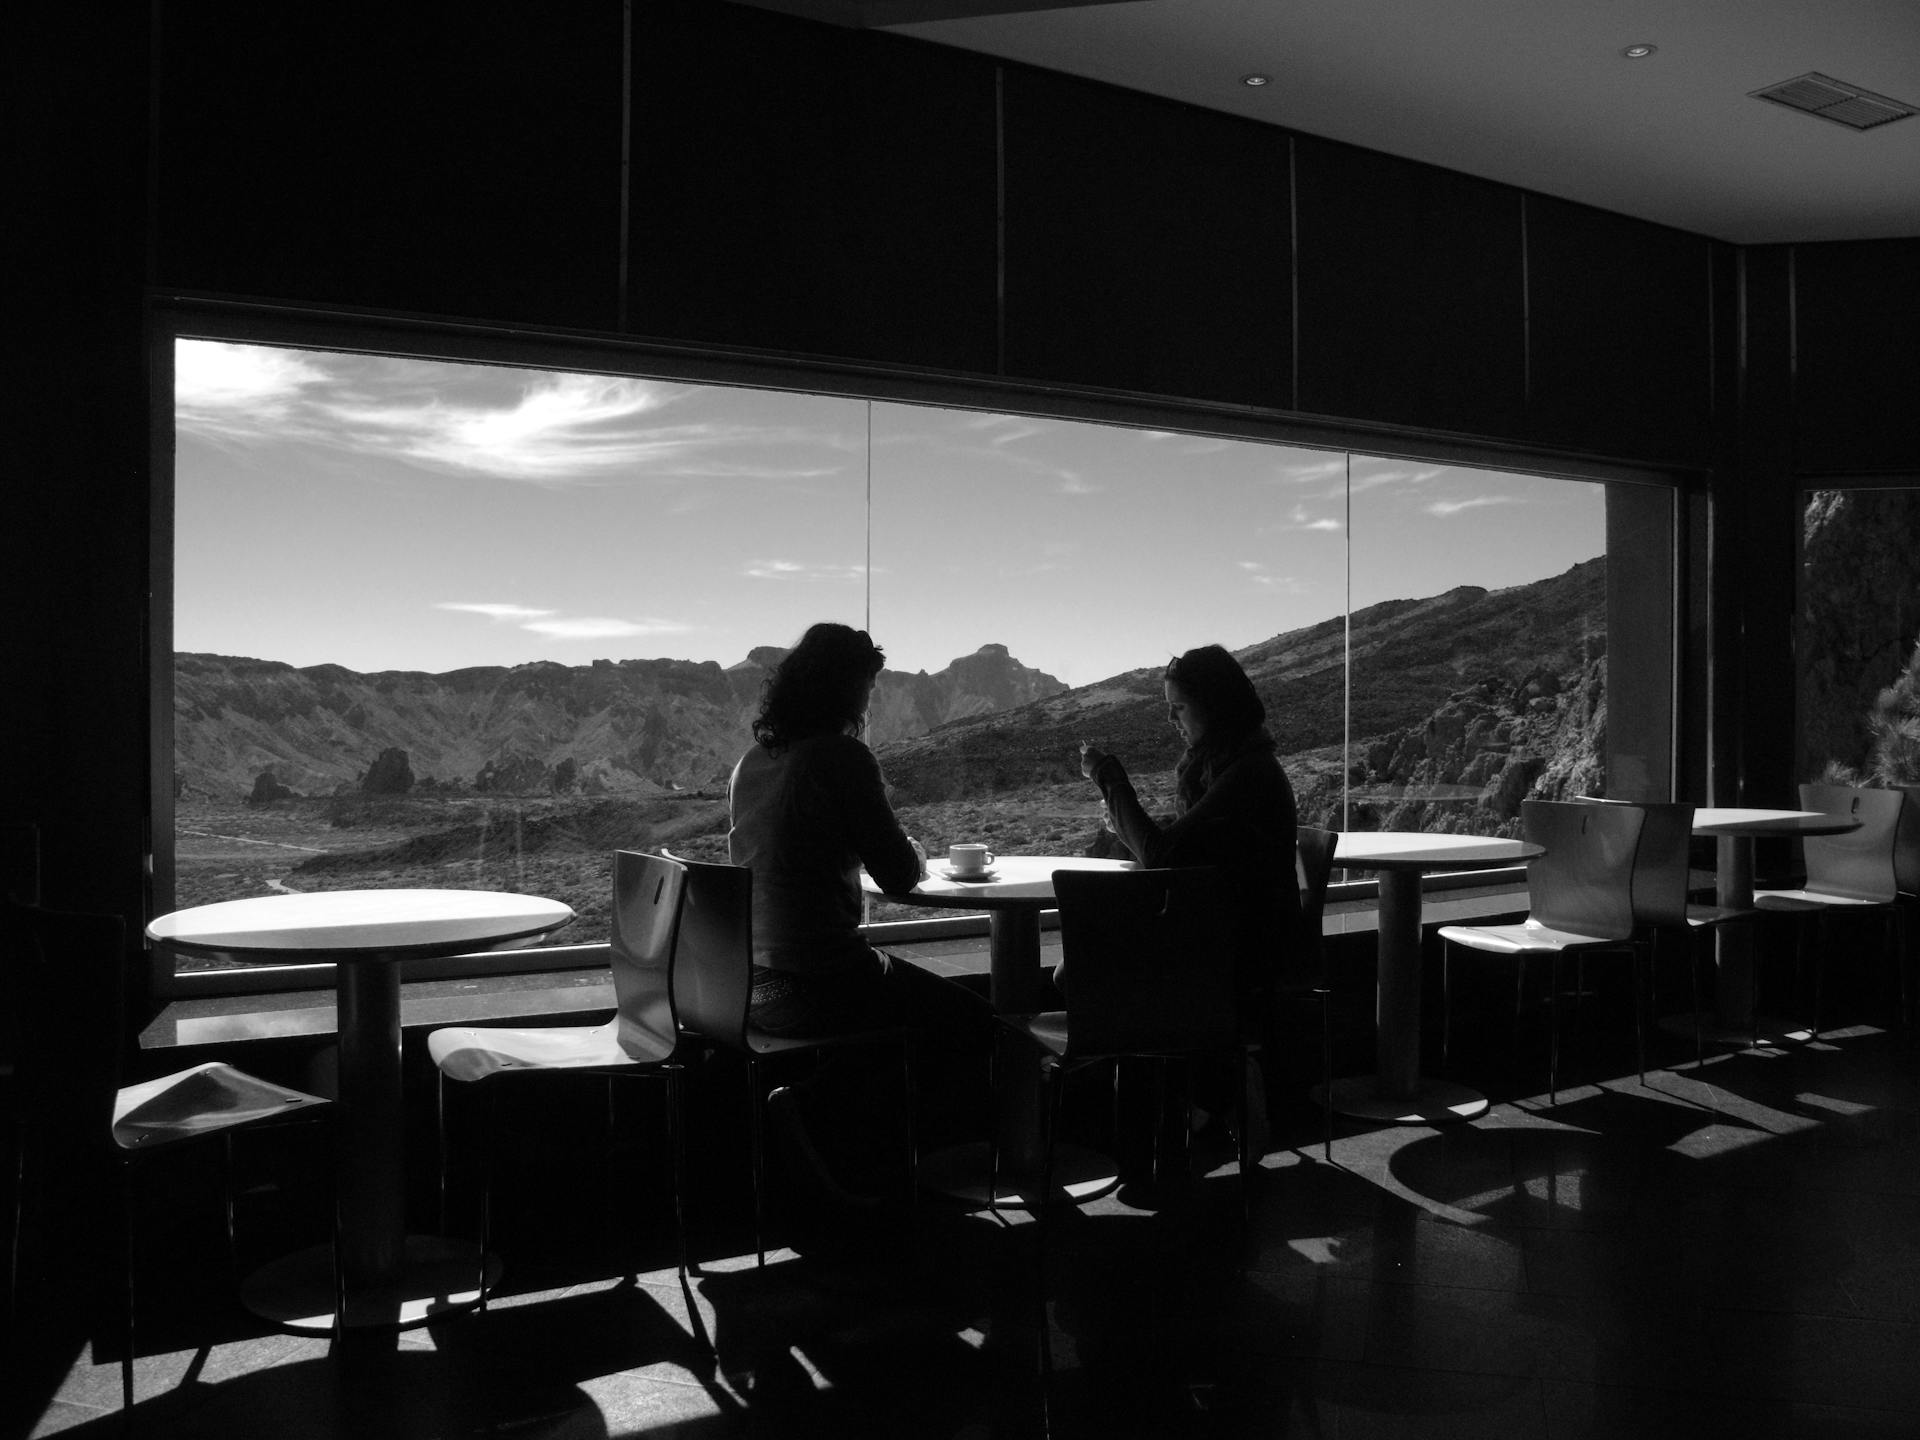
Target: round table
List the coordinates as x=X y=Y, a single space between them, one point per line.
x=1397 y=1091
x=1013 y=893
x=1735 y=829
x=386 y=1276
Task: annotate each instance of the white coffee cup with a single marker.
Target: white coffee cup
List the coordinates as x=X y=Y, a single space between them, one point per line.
x=969 y=859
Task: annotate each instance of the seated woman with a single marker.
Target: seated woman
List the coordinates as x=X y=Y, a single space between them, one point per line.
x=809 y=810
x=1234 y=810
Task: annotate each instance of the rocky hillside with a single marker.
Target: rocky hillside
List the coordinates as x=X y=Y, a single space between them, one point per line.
x=633 y=727
x=1499 y=691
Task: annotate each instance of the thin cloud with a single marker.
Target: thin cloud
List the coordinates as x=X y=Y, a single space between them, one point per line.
x=1444 y=508
x=1006 y=429
x=1266 y=579
x=554 y=429
x=1301 y=520
x=1374 y=479
x=795 y=570
x=1311 y=472
x=556 y=626
x=1072 y=484
x=495 y=611
x=600 y=627
x=228 y=392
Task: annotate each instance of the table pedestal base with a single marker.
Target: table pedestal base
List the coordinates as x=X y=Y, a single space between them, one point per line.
x=438 y=1278
x=962 y=1172
x=1432 y=1102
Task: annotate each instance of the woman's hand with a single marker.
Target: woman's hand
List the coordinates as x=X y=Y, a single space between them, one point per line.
x=921 y=851
x=1090 y=757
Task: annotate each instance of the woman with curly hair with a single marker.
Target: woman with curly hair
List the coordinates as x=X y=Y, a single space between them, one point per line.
x=809 y=811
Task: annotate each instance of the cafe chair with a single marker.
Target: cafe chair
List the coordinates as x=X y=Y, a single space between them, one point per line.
x=638 y=1043
x=1851 y=873
x=1663 y=907
x=1153 y=976
x=65 y=980
x=1906 y=869
x=1303 y=971
x=1579 y=901
x=713 y=990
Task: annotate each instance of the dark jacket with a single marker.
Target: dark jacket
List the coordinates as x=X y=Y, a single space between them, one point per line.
x=1243 y=822
x=807 y=819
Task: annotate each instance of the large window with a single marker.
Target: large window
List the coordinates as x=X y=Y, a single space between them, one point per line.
x=1858 y=644
x=450 y=624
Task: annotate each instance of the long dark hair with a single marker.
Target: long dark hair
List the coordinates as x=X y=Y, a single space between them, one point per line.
x=1214 y=681
x=820 y=687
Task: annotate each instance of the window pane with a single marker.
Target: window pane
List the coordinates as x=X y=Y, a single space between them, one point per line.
x=1479 y=645
x=421 y=609
x=1859 y=620
x=1092 y=555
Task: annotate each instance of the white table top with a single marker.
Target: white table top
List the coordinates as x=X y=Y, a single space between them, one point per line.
x=1416 y=850
x=1017 y=880
x=372 y=921
x=1725 y=820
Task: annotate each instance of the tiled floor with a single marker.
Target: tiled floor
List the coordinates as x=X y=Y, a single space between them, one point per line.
x=1733 y=1251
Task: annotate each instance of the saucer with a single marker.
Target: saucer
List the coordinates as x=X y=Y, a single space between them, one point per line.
x=968 y=877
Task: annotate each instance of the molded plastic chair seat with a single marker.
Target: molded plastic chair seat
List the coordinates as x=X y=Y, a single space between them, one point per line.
x=1580 y=896
x=198 y=1102
x=638 y=1043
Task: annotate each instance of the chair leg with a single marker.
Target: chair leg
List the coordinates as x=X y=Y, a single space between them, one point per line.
x=756 y=1126
x=1642 y=968
x=1246 y=1142
x=131 y=1297
x=676 y=1146
x=1446 y=1006
x=1553 y=1031
x=1326 y=1074
x=993 y=1125
x=913 y=1143
x=1693 y=986
x=226 y=1197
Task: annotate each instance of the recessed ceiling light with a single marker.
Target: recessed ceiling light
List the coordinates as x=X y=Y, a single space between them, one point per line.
x=1256 y=80
x=1639 y=52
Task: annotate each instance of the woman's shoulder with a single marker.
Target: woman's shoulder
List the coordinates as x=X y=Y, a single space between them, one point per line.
x=838 y=751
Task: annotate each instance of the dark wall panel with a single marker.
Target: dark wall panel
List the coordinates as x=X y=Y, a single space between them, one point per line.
x=799 y=187
x=1856 y=386
x=457 y=157
x=1619 y=332
x=1410 y=292
x=1147 y=244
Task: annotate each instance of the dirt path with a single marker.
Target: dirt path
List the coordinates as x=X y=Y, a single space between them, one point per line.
x=249 y=840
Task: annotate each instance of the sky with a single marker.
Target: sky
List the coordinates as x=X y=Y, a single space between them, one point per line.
x=400 y=514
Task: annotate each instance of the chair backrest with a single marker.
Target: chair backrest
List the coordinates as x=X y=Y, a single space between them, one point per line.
x=63 y=994
x=647 y=895
x=1152 y=960
x=1661 y=860
x=1312 y=871
x=713 y=956
x=1584 y=881
x=1906 y=850
x=1860 y=863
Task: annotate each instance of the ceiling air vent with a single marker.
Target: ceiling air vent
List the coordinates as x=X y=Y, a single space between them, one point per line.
x=1835 y=100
